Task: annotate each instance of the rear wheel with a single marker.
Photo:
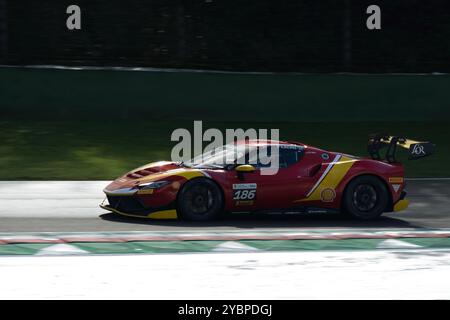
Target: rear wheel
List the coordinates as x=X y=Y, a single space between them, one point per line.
x=200 y=200
x=365 y=198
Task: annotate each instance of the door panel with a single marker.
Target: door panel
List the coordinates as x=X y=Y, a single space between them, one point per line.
x=280 y=191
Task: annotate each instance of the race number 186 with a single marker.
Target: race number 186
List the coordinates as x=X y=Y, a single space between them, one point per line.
x=244 y=194
x=244 y=191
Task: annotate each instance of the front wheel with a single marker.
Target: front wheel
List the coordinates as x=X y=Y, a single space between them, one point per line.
x=365 y=198
x=200 y=200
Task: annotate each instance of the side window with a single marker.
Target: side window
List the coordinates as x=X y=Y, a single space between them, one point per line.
x=290 y=156
x=252 y=158
x=287 y=157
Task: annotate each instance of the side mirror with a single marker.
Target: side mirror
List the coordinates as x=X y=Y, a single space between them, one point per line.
x=244 y=168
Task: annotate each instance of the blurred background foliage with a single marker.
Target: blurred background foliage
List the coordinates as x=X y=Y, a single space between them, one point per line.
x=103 y=149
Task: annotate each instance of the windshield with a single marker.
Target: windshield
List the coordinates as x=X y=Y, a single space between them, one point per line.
x=221 y=156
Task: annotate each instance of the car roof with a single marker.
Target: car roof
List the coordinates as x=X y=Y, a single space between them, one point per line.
x=265 y=142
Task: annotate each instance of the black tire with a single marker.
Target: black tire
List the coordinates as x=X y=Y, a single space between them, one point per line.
x=365 y=198
x=200 y=200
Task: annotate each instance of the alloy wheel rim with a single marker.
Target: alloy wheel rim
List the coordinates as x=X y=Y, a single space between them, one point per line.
x=199 y=200
x=365 y=197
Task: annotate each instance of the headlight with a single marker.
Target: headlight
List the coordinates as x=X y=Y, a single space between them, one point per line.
x=153 y=185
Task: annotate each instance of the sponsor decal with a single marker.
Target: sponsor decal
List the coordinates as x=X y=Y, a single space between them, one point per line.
x=240 y=186
x=418 y=150
x=146 y=191
x=325 y=156
x=290 y=147
x=244 y=191
x=396 y=187
x=245 y=203
x=328 y=195
x=316 y=211
x=396 y=180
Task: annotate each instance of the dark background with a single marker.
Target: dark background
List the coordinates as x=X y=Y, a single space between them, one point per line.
x=252 y=35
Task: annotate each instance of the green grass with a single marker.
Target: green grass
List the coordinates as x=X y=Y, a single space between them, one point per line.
x=104 y=150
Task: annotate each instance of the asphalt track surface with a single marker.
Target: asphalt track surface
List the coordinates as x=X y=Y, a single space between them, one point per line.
x=73 y=207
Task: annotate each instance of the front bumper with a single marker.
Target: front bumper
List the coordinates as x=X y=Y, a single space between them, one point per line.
x=161 y=214
x=126 y=202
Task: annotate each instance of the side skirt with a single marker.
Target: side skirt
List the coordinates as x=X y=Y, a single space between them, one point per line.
x=293 y=210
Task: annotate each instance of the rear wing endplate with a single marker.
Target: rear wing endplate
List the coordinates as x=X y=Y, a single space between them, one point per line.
x=417 y=149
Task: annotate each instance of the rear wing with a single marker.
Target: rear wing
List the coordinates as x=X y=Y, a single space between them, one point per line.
x=417 y=149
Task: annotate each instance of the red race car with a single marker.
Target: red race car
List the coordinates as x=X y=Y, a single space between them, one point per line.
x=309 y=179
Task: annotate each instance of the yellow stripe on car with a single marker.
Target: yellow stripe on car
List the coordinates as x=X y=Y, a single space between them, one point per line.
x=331 y=178
x=165 y=214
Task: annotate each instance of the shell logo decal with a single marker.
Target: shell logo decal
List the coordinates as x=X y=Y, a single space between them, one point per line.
x=328 y=195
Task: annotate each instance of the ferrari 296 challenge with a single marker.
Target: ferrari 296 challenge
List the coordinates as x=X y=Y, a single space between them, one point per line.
x=309 y=179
